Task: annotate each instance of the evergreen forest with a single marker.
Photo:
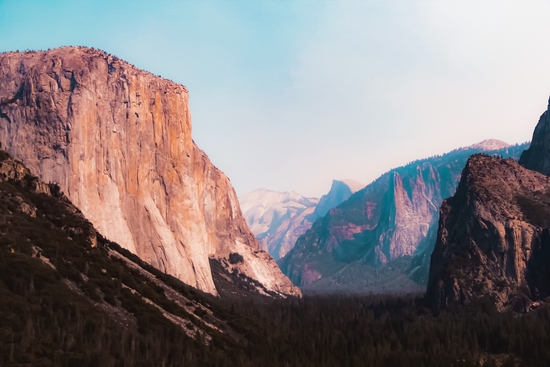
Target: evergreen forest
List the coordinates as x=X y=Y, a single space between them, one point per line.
x=69 y=297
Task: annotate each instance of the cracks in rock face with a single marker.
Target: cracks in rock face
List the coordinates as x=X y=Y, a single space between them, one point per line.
x=5 y=102
x=4 y=116
x=73 y=83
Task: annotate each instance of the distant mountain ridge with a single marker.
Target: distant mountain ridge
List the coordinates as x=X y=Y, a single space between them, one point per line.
x=381 y=237
x=278 y=219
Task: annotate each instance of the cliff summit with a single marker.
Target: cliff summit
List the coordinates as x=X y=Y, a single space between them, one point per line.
x=118 y=142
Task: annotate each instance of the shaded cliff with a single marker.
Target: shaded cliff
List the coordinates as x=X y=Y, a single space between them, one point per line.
x=493 y=238
x=537 y=157
x=378 y=239
x=118 y=142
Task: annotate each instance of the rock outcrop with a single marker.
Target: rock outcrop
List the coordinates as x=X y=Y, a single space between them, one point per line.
x=277 y=218
x=377 y=240
x=537 y=157
x=118 y=142
x=493 y=238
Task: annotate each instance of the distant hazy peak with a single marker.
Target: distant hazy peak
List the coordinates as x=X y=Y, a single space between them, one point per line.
x=262 y=191
x=489 y=144
x=267 y=198
x=340 y=191
x=353 y=185
x=277 y=218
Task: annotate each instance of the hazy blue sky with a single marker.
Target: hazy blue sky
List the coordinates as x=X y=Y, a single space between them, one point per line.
x=288 y=95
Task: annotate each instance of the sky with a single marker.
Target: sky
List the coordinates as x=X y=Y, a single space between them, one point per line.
x=288 y=95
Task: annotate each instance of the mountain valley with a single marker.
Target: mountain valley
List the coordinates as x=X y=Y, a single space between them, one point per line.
x=70 y=297
x=121 y=244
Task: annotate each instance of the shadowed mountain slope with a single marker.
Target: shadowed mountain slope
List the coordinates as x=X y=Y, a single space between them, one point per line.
x=494 y=233
x=494 y=238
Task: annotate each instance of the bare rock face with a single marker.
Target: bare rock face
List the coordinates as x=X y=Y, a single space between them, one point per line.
x=377 y=225
x=537 y=157
x=118 y=142
x=493 y=238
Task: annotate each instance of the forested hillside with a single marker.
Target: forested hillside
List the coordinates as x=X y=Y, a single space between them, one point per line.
x=69 y=297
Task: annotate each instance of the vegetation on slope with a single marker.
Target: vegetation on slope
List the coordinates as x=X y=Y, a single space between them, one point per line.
x=69 y=297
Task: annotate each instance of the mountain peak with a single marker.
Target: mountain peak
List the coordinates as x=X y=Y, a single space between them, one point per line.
x=277 y=218
x=340 y=191
x=353 y=185
x=505 y=204
x=489 y=144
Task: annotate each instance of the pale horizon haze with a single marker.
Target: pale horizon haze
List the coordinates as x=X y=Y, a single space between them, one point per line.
x=289 y=95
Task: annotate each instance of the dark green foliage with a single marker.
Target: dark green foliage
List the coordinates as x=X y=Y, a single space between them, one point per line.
x=62 y=314
x=235 y=258
x=388 y=331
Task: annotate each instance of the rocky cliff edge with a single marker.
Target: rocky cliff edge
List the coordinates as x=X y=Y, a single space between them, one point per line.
x=494 y=238
x=117 y=140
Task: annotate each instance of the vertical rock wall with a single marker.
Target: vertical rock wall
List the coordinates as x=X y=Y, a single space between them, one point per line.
x=118 y=142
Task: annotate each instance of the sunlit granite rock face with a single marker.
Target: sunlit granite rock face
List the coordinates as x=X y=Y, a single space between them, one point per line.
x=118 y=142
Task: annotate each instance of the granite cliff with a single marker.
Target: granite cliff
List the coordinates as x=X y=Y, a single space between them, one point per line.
x=537 y=157
x=118 y=142
x=378 y=240
x=493 y=238
x=494 y=233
